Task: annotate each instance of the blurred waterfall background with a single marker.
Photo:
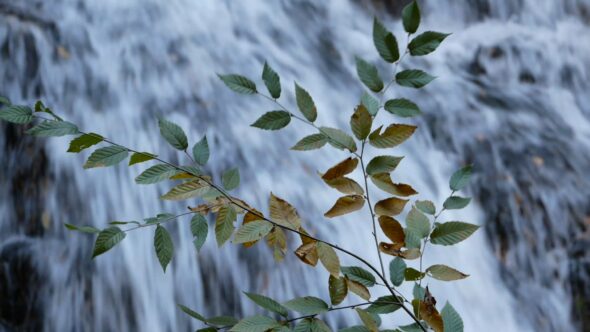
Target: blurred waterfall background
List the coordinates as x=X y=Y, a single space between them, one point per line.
x=511 y=97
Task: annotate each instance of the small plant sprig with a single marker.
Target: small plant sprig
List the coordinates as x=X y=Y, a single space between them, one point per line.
x=404 y=243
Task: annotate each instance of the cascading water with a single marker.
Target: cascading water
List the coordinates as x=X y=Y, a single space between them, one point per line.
x=509 y=97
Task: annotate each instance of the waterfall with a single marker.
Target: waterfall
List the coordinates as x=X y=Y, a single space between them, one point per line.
x=511 y=97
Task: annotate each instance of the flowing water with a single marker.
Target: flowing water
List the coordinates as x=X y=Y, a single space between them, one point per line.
x=511 y=97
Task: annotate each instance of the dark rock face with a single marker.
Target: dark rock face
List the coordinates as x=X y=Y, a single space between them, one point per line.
x=20 y=285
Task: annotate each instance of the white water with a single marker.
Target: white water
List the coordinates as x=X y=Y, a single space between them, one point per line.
x=130 y=61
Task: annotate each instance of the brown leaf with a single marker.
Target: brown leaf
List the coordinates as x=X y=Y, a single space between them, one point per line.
x=392 y=229
x=283 y=213
x=360 y=122
x=341 y=169
x=346 y=186
x=359 y=289
x=396 y=250
x=392 y=136
x=305 y=239
x=308 y=253
x=390 y=206
x=346 y=204
x=429 y=313
x=383 y=181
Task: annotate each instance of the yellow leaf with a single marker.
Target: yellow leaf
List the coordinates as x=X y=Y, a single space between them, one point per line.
x=277 y=240
x=346 y=204
x=392 y=229
x=359 y=289
x=346 y=186
x=329 y=258
x=368 y=320
x=187 y=190
x=383 y=181
x=283 y=213
x=341 y=169
x=390 y=206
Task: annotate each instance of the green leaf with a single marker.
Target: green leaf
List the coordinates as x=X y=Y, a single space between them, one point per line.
x=191 y=312
x=140 y=157
x=452 y=232
x=307 y=305
x=360 y=122
x=272 y=81
x=413 y=78
x=207 y=329
x=186 y=190
x=107 y=156
x=173 y=134
x=222 y=321
x=268 y=303
x=357 y=328
x=456 y=202
x=383 y=164
x=392 y=136
x=311 y=142
x=107 y=239
x=255 y=324
x=201 y=151
x=253 y=231
x=396 y=271
x=460 y=178
x=402 y=107
x=231 y=179
x=339 y=139
x=413 y=238
x=418 y=222
x=411 y=328
x=445 y=273
x=4 y=101
x=426 y=207
x=411 y=17
x=311 y=325
x=156 y=174
x=385 y=305
x=224 y=224
x=273 y=120
x=426 y=43
x=53 y=128
x=370 y=103
x=239 y=84
x=412 y=274
x=16 y=114
x=199 y=229
x=359 y=275
x=338 y=288
x=164 y=246
x=83 y=229
x=369 y=75
x=385 y=42
x=305 y=103
x=451 y=319
x=418 y=292
x=84 y=141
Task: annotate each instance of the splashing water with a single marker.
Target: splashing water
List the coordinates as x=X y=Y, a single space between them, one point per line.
x=509 y=97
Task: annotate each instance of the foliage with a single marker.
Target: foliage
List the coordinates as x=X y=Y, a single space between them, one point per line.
x=405 y=244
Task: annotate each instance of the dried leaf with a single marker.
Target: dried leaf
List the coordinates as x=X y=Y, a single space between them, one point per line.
x=346 y=204
x=342 y=168
x=392 y=229
x=283 y=213
x=383 y=181
x=308 y=253
x=390 y=206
